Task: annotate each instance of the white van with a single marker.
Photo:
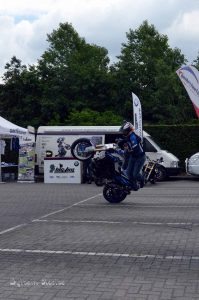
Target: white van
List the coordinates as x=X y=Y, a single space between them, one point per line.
x=57 y=140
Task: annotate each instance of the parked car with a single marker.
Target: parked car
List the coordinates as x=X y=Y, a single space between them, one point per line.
x=192 y=164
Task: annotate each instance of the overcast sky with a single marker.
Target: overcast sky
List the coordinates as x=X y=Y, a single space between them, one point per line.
x=24 y=24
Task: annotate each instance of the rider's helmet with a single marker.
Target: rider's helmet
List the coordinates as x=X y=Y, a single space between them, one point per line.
x=126 y=128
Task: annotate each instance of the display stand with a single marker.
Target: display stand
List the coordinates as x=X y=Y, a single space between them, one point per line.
x=62 y=170
x=26 y=169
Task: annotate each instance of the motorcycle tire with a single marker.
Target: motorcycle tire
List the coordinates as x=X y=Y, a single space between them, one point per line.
x=113 y=194
x=78 y=148
x=145 y=178
x=161 y=174
x=153 y=180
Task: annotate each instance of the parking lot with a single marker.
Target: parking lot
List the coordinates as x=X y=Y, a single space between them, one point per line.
x=66 y=242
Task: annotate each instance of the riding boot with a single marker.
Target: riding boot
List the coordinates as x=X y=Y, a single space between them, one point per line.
x=134 y=186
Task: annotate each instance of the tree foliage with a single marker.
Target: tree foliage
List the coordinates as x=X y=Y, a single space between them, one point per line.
x=91 y=117
x=74 y=74
x=147 y=66
x=20 y=95
x=74 y=82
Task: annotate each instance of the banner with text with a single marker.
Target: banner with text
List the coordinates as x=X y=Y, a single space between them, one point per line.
x=137 y=115
x=26 y=167
x=189 y=77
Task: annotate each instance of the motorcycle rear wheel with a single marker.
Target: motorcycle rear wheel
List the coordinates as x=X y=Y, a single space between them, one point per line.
x=113 y=194
x=78 y=149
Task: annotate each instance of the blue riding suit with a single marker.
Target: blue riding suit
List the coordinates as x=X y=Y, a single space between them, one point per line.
x=136 y=161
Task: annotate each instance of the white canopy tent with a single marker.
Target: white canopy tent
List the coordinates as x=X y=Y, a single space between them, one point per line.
x=9 y=130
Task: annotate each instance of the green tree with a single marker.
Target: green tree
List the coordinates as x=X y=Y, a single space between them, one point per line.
x=74 y=83
x=20 y=94
x=74 y=74
x=91 y=117
x=147 y=66
x=196 y=62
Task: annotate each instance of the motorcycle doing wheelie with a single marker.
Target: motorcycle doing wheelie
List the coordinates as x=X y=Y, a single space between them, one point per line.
x=107 y=165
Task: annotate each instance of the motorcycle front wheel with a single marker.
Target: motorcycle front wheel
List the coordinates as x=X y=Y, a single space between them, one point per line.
x=161 y=173
x=113 y=194
x=153 y=180
x=79 y=149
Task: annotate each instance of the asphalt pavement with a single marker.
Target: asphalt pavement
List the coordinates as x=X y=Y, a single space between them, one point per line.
x=62 y=241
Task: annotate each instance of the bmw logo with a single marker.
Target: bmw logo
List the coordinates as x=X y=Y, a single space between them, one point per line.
x=136 y=102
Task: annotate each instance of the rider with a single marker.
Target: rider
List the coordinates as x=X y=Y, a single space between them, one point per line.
x=136 y=157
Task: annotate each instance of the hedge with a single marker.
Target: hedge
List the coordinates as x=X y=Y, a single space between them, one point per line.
x=181 y=140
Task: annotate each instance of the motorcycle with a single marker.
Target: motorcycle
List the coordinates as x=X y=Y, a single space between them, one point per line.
x=151 y=171
x=107 y=165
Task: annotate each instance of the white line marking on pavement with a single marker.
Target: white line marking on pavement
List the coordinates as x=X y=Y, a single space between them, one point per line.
x=84 y=253
x=55 y=212
x=12 y=228
x=162 y=223
x=118 y=222
x=169 y=206
x=78 y=221
x=63 y=209
x=138 y=205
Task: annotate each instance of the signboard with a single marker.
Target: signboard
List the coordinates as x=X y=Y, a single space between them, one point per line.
x=62 y=170
x=137 y=115
x=26 y=167
x=59 y=145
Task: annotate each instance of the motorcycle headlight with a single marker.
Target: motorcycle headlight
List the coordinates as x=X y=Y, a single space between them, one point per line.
x=174 y=164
